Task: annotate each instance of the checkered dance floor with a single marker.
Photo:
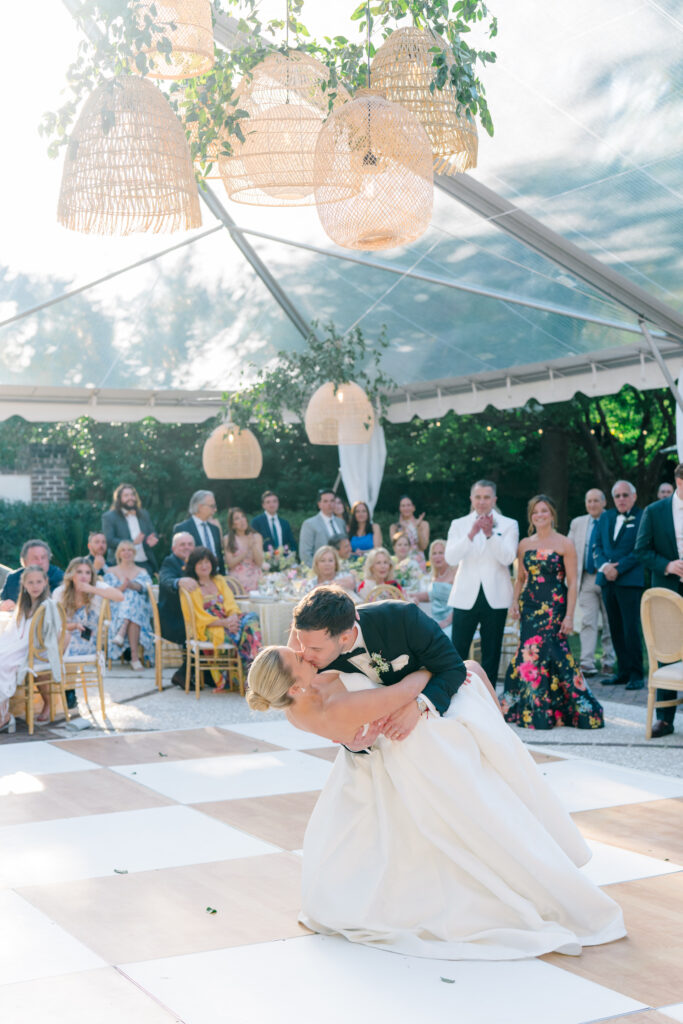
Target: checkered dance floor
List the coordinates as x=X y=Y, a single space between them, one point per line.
x=154 y=878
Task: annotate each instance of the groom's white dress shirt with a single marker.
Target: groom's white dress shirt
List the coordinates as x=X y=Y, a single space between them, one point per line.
x=482 y=562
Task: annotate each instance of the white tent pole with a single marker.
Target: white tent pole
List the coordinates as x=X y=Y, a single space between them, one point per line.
x=668 y=377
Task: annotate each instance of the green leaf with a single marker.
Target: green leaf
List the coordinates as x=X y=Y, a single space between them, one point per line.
x=211 y=910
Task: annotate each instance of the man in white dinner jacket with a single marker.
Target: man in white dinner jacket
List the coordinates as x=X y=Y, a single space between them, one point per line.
x=582 y=531
x=483 y=545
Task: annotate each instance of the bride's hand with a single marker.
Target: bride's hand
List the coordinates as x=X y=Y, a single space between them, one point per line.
x=366 y=737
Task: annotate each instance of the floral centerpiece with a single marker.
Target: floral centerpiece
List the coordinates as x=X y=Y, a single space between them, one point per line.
x=278 y=559
x=408 y=574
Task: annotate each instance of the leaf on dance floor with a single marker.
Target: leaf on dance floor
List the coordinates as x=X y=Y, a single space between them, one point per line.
x=211 y=910
x=449 y=981
x=120 y=871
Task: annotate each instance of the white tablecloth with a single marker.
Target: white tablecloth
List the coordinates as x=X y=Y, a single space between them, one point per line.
x=275 y=618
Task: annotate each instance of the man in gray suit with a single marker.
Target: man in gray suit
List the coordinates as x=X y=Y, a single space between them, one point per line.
x=320 y=529
x=590 y=597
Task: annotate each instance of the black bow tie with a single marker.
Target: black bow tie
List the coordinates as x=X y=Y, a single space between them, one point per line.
x=353 y=653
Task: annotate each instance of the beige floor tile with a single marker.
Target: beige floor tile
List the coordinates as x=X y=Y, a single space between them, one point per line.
x=647 y=964
x=152 y=914
x=645 y=1017
x=654 y=828
x=280 y=819
x=103 y=996
x=73 y=794
x=176 y=746
x=541 y=758
x=327 y=753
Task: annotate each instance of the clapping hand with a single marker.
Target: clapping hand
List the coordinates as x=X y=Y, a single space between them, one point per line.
x=486 y=524
x=151 y=540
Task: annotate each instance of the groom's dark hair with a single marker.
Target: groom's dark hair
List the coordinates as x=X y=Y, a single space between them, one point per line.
x=328 y=608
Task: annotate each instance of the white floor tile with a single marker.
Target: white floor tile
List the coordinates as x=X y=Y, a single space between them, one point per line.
x=32 y=946
x=319 y=978
x=588 y=785
x=610 y=864
x=104 y=996
x=675 y=1011
x=102 y=844
x=39 y=759
x=281 y=734
x=231 y=778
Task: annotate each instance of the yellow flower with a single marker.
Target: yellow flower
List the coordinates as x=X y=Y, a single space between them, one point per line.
x=554 y=685
x=526 y=716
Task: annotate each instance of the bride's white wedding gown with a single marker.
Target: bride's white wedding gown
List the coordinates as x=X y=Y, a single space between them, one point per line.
x=450 y=844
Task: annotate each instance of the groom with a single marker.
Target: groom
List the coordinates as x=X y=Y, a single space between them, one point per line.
x=385 y=641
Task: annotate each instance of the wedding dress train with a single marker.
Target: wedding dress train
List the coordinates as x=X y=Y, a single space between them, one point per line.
x=450 y=844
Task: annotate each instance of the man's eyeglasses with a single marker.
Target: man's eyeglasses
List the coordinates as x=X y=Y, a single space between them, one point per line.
x=626 y=495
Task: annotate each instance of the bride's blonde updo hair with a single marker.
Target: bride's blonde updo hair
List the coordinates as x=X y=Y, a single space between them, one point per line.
x=268 y=681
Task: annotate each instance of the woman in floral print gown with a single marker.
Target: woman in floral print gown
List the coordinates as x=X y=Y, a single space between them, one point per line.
x=544 y=686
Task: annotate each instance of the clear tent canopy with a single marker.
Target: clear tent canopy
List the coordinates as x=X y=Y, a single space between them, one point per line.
x=500 y=301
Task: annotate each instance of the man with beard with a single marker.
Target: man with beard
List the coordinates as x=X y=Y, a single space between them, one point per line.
x=97 y=552
x=126 y=520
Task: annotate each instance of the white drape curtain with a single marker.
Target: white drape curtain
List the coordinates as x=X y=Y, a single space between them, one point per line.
x=362 y=468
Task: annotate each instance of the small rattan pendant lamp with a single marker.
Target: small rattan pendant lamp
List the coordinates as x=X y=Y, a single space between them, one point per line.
x=287 y=102
x=231 y=453
x=402 y=69
x=189 y=28
x=343 y=416
x=127 y=166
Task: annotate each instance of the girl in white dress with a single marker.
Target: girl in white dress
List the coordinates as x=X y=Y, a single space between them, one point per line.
x=447 y=844
x=34 y=588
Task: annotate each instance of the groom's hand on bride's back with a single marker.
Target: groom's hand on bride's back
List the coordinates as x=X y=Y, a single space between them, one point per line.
x=402 y=722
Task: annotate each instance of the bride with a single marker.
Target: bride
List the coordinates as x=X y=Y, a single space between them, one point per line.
x=447 y=844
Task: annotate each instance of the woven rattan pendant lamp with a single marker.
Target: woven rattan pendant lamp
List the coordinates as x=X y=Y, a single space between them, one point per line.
x=189 y=29
x=127 y=166
x=231 y=453
x=343 y=416
x=373 y=171
x=402 y=70
x=287 y=102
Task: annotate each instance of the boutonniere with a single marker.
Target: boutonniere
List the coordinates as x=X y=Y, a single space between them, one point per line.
x=379 y=664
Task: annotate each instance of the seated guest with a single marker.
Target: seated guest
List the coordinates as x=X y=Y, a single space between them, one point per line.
x=439 y=589
x=317 y=530
x=172 y=577
x=363 y=533
x=664 y=491
x=80 y=596
x=342 y=545
x=199 y=524
x=327 y=569
x=127 y=520
x=131 y=619
x=341 y=510
x=379 y=571
x=97 y=552
x=34 y=589
x=243 y=548
x=217 y=613
x=34 y=552
x=276 y=532
x=416 y=529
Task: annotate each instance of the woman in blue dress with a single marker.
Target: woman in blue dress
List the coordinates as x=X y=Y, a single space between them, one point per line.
x=80 y=595
x=363 y=533
x=131 y=619
x=439 y=589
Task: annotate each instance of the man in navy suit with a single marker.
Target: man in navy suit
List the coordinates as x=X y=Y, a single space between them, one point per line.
x=206 y=534
x=621 y=576
x=276 y=532
x=659 y=546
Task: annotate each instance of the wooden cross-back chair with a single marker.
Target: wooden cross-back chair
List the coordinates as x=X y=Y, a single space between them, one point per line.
x=39 y=672
x=202 y=654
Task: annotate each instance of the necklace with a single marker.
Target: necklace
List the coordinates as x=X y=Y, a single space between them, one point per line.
x=442 y=574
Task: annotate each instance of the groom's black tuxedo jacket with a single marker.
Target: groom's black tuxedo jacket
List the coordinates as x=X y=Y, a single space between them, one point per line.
x=393 y=628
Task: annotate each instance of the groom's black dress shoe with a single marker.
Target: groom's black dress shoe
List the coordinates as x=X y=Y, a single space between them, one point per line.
x=614 y=681
x=662 y=729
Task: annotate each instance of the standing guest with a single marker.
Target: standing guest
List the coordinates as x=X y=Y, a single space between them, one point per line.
x=622 y=578
x=664 y=491
x=80 y=596
x=543 y=686
x=33 y=552
x=34 y=589
x=97 y=552
x=131 y=619
x=276 y=532
x=319 y=529
x=327 y=569
x=205 y=533
x=659 y=546
x=439 y=588
x=127 y=520
x=243 y=548
x=416 y=529
x=378 y=571
x=363 y=533
x=173 y=577
x=483 y=545
x=217 y=614
x=341 y=510
x=582 y=532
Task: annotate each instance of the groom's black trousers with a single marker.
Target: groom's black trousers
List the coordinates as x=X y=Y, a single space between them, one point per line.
x=491 y=622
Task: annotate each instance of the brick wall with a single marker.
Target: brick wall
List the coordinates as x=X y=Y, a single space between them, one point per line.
x=49 y=469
